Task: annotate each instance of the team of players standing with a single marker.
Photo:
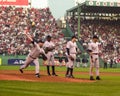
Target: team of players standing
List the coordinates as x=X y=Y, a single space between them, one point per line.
x=45 y=49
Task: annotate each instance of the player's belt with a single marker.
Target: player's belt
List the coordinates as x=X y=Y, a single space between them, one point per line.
x=32 y=57
x=95 y=53
x=72 y=53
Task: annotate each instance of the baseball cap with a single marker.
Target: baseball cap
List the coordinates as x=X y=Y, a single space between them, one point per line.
x=95 y=37
x=74 y=37
x=48 y=36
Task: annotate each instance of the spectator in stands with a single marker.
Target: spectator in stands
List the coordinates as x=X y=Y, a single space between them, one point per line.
x=15 y=20
x=105 y=63
x=107 y=30
x=78 y=61
x=111 y=62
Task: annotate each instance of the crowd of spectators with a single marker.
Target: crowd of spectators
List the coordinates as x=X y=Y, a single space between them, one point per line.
x=40 y=23
x=37 y=22
x=107 y=30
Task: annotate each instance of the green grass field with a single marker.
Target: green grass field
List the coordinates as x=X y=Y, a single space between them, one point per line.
x=108 y=86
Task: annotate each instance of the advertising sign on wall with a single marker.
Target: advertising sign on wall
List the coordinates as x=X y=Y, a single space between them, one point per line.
x=17 y=62
x=14 y=2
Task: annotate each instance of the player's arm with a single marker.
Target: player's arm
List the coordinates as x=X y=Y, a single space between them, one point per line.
x=68 y=48
x=68 y=51
x=29 y=37
x=52 y=47
x=43 y=55
x=89 y=50
x=47 y=48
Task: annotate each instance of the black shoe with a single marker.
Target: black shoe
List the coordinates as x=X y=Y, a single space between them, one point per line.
x=98 y=78
x=21 y=70
x=49 y=74
x=37 y=75
x=91 y=78
x=67 y=76
x=54 y=74
x=71 y=76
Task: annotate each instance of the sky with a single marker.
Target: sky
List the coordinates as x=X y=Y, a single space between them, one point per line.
x=39 y=3
x=44 y=3
x=59 y=7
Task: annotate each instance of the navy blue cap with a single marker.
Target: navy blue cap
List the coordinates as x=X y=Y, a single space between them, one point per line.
x=95 y=37
x=74 y=37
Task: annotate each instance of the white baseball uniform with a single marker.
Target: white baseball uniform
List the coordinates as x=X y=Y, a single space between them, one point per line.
x=50 y=54
x=94 y=58
x=33 y=57
x=72 y=50
x=50 y=57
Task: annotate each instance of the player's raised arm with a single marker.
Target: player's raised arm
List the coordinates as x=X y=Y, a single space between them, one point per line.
x=28 y=36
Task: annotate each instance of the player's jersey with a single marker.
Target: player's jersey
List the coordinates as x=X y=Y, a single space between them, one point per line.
x=36 y=51
x=94 y=47
x=72 y=47
x=48 y=44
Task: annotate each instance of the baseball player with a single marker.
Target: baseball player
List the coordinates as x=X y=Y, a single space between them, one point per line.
x=71 y=49
x=93 y=49
x=33 y=56
x=49 y=47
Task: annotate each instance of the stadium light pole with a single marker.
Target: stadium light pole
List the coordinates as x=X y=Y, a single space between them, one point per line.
x=30 y=3
x=79 y=11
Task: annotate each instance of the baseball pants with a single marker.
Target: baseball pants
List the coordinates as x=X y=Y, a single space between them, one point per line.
x=94 y=62
x=28 y=61
x=70 y=63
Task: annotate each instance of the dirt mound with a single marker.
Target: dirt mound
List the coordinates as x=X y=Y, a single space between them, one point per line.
x=29 y=76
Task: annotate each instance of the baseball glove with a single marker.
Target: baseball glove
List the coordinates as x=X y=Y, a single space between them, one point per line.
x=44 y=57
x=71 y=58
x=46 y=50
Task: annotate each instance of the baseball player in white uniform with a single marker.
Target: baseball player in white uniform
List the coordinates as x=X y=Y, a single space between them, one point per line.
x=93 y=49
x=33 y=56
x=49 y=46
x=71 y=49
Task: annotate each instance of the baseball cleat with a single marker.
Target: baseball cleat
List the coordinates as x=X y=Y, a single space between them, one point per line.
x=98 y=78
x=71 y=76
x=67 y=76
x=21 y=70
x=91 y=78
x=49 y=74
x=54 y=74
x=37 y=75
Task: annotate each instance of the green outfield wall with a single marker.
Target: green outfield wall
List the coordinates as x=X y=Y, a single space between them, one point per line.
x=4 y=60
